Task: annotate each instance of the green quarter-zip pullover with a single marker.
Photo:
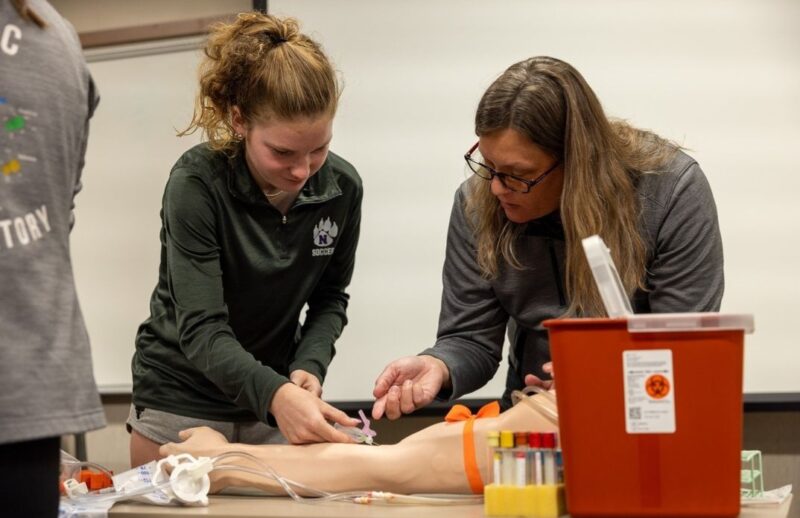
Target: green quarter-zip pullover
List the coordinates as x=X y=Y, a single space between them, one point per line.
x=224 y=329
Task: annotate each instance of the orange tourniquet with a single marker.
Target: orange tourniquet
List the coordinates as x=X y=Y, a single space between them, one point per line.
x=462 y=413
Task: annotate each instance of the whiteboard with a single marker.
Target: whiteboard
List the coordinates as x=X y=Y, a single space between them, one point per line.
x=132 y=146
x=721 y=78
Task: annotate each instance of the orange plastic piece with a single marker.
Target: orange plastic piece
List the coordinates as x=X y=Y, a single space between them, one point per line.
x=609 y=472
x=95 y=480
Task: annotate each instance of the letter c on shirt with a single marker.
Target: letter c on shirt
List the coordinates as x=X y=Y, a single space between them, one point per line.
x=10 y=31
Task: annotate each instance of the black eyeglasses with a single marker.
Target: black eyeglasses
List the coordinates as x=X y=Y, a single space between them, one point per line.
x=509 y=181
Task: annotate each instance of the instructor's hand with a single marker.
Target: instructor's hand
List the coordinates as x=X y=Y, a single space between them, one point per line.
x=408 y=384
x=303 y=417
x=536 y=381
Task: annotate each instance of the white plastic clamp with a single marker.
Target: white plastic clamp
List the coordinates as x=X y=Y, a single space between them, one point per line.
x=188 y=479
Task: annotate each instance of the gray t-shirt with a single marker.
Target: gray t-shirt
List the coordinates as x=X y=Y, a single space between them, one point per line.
x=47 y=387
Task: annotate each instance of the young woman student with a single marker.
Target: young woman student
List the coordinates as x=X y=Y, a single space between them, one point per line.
x=550 y=168
x=258 y=222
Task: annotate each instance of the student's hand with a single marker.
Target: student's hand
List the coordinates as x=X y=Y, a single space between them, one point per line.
x=536 y=381
x=304 y=418
x=408 y=384
x=199 y=442
x=306 y=381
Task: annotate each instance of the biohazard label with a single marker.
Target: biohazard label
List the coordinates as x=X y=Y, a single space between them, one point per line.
x=649 y=391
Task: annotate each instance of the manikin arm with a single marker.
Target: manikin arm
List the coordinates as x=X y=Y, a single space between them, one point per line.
x=429 y=461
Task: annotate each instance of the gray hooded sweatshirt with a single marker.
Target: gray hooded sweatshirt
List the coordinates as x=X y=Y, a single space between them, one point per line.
x=684 y=274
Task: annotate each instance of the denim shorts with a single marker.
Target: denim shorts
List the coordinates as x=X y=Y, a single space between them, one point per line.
x=163 y=427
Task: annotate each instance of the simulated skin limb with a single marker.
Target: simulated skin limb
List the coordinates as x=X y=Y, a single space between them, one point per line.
x=429 y=461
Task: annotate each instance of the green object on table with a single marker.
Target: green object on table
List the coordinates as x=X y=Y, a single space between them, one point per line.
x=752 y=481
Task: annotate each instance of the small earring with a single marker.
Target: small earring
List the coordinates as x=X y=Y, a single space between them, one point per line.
x=239 y=136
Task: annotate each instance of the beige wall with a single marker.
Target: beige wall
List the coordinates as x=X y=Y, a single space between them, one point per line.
x=93 y=15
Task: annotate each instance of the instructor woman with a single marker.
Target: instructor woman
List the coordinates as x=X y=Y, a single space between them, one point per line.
x=550 y=168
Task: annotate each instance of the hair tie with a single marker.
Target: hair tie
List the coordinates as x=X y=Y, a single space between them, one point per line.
x=274 y=39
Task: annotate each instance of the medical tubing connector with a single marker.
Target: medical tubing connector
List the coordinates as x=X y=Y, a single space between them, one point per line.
x=188 y=480
x=79 y=464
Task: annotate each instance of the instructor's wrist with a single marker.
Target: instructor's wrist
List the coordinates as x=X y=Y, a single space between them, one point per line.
x=442 y=367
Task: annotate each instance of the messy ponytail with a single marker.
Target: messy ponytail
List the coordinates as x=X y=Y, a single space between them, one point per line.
x=265 y=67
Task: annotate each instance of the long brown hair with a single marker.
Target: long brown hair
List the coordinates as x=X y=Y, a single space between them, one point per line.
x=548 y=101
x=28 y=14
x=265 y=67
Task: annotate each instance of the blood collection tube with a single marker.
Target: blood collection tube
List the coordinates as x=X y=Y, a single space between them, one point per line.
x=507 y=468
x=549 y=446
x=559 y=462
x=520 y=458
x=535 y=444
